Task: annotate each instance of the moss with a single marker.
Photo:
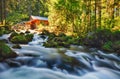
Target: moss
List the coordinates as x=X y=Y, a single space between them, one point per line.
x=29 y=37
x=51 y=44
x=5 y=51
x=19 y=39
x=60 y=40
x=13 y=34
x=108 y=46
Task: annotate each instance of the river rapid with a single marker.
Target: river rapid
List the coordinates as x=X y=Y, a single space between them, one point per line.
x=38 y=62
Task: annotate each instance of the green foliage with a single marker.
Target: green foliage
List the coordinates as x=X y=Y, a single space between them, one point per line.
x=108 y=46
x=18 y=11
x=4 y=30
x=1 y=31
x=112 y=46
x=16 y=17
x=104 y=39
x=83 y=16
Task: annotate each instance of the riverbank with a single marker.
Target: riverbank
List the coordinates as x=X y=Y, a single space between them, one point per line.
x=105 y=40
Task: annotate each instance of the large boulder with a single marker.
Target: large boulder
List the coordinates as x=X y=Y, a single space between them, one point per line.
x=20 y=38
x=6 y=52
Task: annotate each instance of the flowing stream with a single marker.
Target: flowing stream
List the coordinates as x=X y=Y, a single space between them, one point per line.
x=37 y=62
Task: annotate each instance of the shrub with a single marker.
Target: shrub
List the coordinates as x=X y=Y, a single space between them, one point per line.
x=108 y=46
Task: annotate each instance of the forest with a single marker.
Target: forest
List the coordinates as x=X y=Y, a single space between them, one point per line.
x=68 y=39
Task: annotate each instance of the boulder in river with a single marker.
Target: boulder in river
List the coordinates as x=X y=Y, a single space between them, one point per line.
x=6 y=52
x=20 y=38
x=16 y=46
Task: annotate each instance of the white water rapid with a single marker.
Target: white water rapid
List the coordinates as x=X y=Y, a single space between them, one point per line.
x=37 y=62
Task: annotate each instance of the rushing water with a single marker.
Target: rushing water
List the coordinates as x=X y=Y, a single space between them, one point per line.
x=37 y=62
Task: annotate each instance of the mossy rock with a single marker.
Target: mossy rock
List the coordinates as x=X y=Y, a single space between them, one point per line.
x=27 y=31
x=20 y=39
x=60 y=40
x=6 y=52
x=67 y=59
x=29 y=37
x=16 y=46
x=51 y=44
x=13 y=34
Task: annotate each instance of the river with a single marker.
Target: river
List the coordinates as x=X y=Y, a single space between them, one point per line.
x=38 y=62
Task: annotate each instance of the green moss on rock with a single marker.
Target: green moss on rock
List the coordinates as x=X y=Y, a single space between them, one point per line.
x=6 y=52
x=20 y=38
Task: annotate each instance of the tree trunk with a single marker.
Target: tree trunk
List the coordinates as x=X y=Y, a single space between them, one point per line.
x=95 y=15
x=99 y=13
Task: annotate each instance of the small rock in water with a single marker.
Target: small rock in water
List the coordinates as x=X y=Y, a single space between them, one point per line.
x=17 y=46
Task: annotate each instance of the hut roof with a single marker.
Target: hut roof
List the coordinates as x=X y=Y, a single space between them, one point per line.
x=38 y=17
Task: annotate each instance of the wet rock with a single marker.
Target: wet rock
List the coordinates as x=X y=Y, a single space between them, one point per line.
x=12 y=63
x=6 y=52
x=16 y=46
x=27 y=31
x=63 y=62
x=3 y=66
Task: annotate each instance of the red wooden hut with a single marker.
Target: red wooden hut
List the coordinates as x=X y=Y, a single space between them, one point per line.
x=36 y=20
